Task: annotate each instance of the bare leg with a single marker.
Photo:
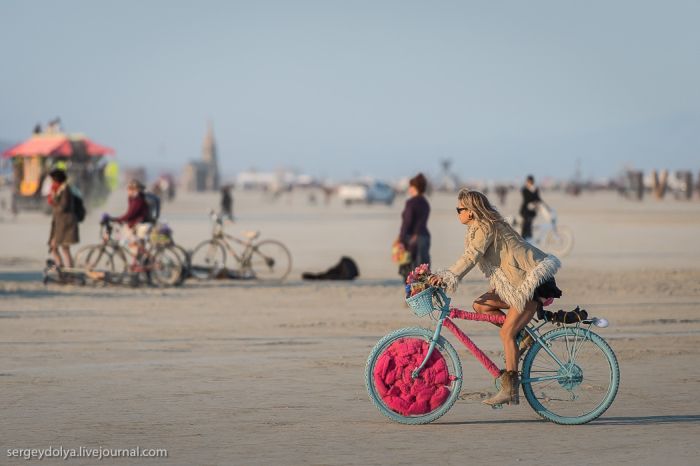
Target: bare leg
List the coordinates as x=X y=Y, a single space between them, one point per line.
x=66 y=253
x=490 y=303
x=515 y=322
x=56 y=256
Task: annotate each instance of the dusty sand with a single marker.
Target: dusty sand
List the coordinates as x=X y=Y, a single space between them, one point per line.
x=234 y=373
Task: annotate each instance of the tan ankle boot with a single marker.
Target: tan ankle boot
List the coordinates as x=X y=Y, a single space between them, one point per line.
x=515 y=389
x=509 y=390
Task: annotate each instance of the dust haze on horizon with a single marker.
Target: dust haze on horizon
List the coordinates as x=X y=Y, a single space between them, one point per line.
x=340 y=89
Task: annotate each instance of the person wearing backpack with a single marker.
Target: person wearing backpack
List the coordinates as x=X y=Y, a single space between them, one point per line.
x=64 y=222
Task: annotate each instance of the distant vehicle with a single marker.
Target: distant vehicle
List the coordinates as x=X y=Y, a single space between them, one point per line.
x=374 y=192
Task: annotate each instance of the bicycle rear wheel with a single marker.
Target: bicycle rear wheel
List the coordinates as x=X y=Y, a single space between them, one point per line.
x=166 y=267
x=559 y=242
x=573 y=379
x=184 y=257
x=207 y=259
x=393 y=390
x=270 y=260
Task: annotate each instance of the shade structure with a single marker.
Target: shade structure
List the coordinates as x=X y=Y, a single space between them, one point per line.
x=95 y=149
x=55 y=145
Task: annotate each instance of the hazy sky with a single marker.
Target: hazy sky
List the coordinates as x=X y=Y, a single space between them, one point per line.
x=354 y=87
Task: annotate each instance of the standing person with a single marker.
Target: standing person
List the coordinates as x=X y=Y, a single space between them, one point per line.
x=227 y=202
x=64 y=223
x=414 y=234
x=528 y=209
x=521 y=276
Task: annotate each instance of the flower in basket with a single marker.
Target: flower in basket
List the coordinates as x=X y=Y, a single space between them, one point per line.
x=417 y=280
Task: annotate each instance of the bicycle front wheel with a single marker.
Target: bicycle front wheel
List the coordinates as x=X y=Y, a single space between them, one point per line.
x=81 y=256
x=573 y=379
x=560 y=241
x=270 y=260
x=105 y=260
x=390 y=383
x=207 y=259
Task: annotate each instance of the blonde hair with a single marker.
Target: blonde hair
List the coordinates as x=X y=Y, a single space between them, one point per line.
x=479 y=204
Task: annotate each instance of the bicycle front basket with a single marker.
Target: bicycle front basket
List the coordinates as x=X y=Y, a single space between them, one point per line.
x=422 y=303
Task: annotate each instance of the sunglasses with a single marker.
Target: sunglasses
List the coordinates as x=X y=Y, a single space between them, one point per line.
x=461 y=209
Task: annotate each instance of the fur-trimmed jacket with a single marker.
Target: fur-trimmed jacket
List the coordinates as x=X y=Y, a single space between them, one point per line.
x=514 y=267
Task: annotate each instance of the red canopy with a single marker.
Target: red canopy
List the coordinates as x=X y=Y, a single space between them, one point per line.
x=96 y=149
x=54 y=145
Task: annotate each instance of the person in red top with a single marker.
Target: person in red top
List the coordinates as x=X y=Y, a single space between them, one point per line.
x=137 y=216
x=137 y=211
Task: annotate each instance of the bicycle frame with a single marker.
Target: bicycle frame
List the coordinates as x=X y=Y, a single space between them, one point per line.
x=540 y=230
x=246 y=244
x=224 y=239
x=140 y=259
x=448 y=313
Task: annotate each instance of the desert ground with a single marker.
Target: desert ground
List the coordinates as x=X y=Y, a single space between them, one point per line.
x=227 y=372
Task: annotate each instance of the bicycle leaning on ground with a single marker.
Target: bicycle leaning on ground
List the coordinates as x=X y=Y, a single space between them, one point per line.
x=569 y=375
x=262 y=260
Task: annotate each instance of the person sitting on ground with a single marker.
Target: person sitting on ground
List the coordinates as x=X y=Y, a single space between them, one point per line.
x=521 y=276
x=64 y=223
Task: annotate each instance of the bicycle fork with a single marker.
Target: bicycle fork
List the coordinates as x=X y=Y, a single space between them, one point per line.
x=431 y=348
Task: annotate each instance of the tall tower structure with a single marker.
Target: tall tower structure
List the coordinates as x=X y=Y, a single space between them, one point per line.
x=209 y=159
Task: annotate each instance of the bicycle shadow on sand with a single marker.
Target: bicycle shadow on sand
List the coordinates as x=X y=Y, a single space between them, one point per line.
x=648 y=420
x=604 y=421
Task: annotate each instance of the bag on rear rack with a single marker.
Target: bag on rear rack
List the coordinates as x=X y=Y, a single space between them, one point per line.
x=564 y=317
x=153 y=203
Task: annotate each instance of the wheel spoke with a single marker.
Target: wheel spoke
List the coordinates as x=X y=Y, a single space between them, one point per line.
x=585 y=385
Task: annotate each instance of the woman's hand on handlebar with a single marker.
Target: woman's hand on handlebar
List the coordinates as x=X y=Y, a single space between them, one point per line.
x=436 y=281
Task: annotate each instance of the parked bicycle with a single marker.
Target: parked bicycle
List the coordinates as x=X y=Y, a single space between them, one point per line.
x=548 y=234
x=262 y=260
x=569 y=375
x=153 y=262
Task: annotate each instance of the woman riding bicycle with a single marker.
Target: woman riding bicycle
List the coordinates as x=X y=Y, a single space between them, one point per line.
x=521 y=277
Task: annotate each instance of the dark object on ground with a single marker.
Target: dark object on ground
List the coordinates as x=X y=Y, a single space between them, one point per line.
x=232 y=275
x=346 y=269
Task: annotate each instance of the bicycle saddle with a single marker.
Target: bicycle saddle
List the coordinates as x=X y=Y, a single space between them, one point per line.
x=251 y=235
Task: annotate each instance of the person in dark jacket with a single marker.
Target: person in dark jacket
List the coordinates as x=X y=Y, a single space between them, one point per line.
x=528 y=209
x=64 y=224
x=414 y=234
x=227 y=202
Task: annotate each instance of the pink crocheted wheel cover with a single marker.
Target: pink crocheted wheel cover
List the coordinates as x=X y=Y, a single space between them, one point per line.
x=401 y=393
